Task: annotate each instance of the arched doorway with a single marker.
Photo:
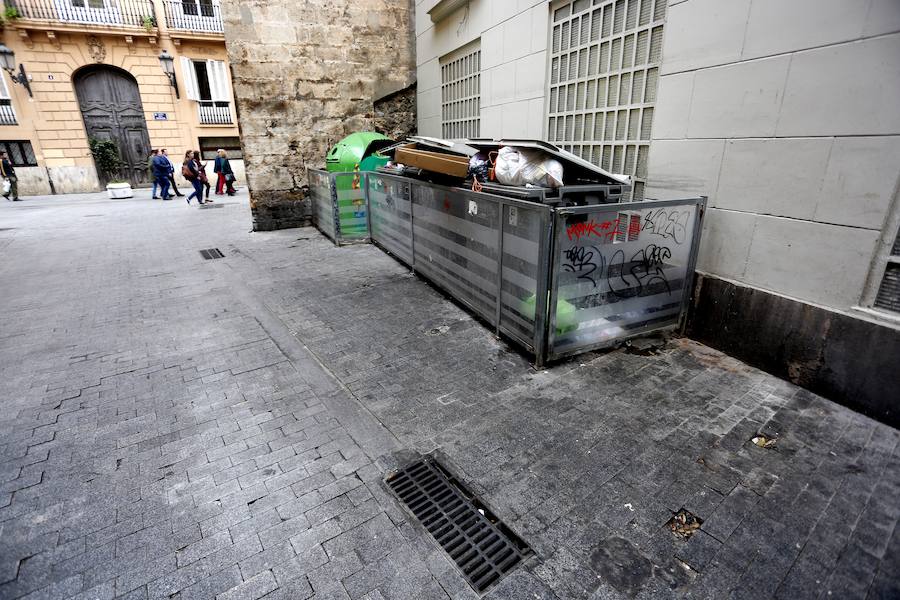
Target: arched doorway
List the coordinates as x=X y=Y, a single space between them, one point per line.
x=111 y=107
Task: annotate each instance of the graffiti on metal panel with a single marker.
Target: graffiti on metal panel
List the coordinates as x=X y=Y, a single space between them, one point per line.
x=605 y=230
x=580 y=261
x=625 y=277
x=667 y=223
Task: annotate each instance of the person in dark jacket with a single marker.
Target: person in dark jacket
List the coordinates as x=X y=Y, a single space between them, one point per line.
x=191 y=172
x=201 y=168
x=160 y=169
x=153 y=154
x=171 y=172
x=226 y=175
x=9 y=173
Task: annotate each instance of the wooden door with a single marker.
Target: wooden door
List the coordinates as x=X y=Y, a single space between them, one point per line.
x=111 y=107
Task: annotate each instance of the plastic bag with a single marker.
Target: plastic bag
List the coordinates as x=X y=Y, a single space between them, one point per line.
x=6 y=186
x=521 y=166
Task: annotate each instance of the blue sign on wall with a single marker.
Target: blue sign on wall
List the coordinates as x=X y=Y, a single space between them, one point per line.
x=160 y=117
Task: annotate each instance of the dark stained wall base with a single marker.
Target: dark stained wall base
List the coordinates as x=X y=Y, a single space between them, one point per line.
x=279 y=210
x=848 y=360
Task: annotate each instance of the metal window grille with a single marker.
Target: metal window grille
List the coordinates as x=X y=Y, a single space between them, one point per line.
x=888 y=296
x=20 y=152
x=604 y=69
x=461 y=92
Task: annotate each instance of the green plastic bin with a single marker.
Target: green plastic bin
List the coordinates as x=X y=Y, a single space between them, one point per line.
x=356 y=152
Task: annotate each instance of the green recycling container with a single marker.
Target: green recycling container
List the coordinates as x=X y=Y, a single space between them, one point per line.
x=356 y=152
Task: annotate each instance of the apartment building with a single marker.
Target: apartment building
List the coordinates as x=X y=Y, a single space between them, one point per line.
x=144 y=73
x=783 y=113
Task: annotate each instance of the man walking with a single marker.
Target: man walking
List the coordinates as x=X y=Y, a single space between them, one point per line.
x=9 y=173
x=171 y=176
x=160 y=168
x=153 y=154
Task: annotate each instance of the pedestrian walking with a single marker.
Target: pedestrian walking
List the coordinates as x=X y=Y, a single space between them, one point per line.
x=9 y=174
x=171 y=172
x=159 y=168
x=201 y=168
x=153 y=154
x=226 y=175
x=191 y=172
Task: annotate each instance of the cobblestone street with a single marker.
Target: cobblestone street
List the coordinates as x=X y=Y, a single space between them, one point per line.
x=175 y=427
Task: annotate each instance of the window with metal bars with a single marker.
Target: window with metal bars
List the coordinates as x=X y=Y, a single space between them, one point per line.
x=888 y=296
x=604 y=68
x=461 y=92
x=20 y=152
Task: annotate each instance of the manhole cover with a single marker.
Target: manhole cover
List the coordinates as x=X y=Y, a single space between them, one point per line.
x=684 y=523
x=482 y=547
x=211 y=253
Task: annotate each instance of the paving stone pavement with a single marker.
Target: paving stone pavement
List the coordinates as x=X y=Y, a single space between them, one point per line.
x=180 y=428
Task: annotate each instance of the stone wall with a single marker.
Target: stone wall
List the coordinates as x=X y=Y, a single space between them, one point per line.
x=306 y=74
x=395 y=114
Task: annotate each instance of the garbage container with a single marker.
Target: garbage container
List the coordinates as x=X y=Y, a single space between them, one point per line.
x=356 y=152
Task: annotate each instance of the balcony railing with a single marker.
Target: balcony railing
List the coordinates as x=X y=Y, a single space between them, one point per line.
x=194 y=15
x=7 y=114
x=214 y=113
x=132 y=13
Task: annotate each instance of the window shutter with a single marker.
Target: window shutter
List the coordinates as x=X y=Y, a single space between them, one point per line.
x=4 y=91
x=218 y=80
x=189 y=77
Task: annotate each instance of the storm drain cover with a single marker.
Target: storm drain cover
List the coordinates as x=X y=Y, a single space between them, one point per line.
x=482 y=547
x=211 y=253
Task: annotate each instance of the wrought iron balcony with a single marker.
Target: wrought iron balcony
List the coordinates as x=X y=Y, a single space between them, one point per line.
x=7 y=114
x=204 y=16
x=105 y=13
x=214 y=113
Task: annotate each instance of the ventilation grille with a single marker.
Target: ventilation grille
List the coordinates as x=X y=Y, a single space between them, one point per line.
x=211 y=253
x=481 y=546
x=461 y=93
x=604 y=66
x=889 y=293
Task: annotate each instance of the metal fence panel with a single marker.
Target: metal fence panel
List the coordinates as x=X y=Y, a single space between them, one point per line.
x=389 y=215
x=322 y=209
x=525 y=231
x=349 y=195
x=456 y=244
x=620 y=270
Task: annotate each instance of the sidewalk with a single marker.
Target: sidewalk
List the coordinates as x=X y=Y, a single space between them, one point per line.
x=183 y=428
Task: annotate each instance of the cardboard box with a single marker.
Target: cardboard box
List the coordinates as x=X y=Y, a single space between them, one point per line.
x=436 y=162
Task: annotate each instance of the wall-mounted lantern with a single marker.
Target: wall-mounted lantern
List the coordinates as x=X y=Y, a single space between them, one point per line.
x=8 y=62
x=168 y=66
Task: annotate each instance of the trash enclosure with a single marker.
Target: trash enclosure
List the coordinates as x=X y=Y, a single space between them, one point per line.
x=558 y=270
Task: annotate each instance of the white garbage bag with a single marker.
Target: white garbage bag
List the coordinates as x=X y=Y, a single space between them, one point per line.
x=521 y=166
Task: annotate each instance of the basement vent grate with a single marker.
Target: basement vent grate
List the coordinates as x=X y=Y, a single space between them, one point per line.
x=482 y=547
x=211 y=253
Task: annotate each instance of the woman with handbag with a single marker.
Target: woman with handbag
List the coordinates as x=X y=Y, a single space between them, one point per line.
x=190 y=172
x=226 y=175
x=201 y=169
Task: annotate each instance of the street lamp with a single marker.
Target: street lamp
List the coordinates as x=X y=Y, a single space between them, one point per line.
x=168 y=67
x=8 y=62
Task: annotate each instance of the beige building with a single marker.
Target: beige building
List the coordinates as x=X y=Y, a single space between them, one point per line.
x=92 y=69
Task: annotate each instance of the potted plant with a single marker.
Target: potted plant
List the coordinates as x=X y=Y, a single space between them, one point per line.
x=106 y=157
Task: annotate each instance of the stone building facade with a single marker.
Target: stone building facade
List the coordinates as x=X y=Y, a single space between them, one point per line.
x=306 y=74
x=94 y=71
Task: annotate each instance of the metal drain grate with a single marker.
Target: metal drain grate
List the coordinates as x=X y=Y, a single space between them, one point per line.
x=482 y=547
x=211 y=253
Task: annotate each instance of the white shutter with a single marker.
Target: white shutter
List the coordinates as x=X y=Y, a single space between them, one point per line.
x=189 y=78
x=4 y=91
x=218 y=80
